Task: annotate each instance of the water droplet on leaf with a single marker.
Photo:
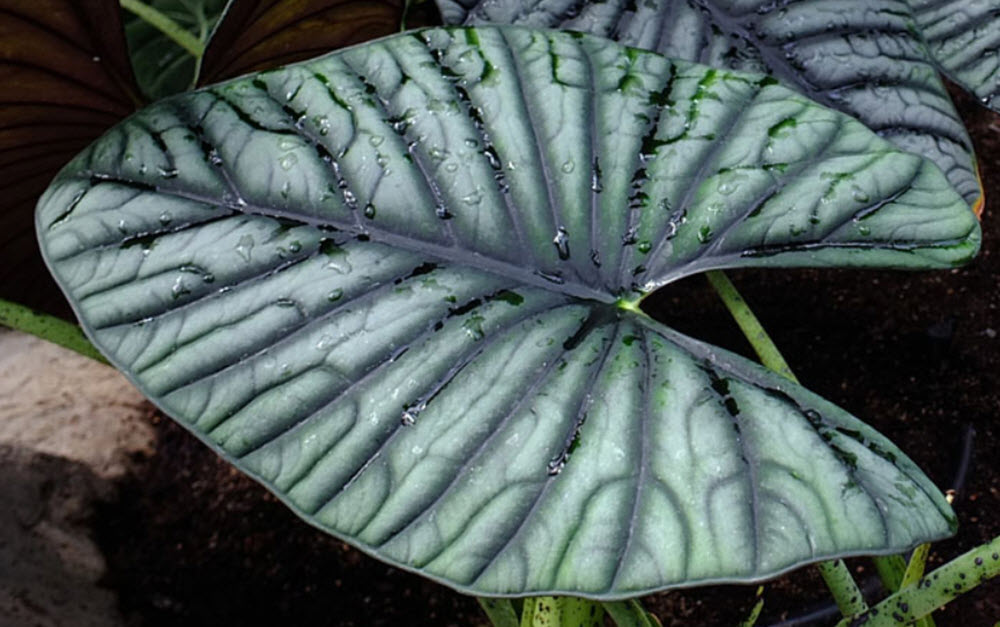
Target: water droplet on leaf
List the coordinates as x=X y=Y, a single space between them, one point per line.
x=473 y=198
x=859 y=194
x=244 y=246
x=561 y=242
x=179 y=288
x=325 y=342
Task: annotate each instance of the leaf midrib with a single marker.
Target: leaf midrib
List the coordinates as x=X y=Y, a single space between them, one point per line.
x=447 y=254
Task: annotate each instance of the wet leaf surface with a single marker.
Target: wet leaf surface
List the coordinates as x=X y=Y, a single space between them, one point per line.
x=861 y=57
x=964 y=37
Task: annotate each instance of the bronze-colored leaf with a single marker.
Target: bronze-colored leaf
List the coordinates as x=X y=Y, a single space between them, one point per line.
x=65 y=77
x=262 y=34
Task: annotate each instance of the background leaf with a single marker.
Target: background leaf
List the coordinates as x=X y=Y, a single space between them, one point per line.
x=964 y=37
x=64 y=79
x=861 y=57
x=161 y=65
x=387 y=283
x=263 y=34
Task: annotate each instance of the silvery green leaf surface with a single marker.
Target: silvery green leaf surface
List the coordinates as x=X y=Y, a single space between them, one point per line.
x=964 y=37
x=398 y=286
x=863 y=57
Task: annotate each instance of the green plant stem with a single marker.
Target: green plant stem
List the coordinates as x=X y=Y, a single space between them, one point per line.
x=750 y=325
x=501 y=612
x=915 y=569
x=561 y=612
x=836 y=575
x=630 y=614
x=845 y=590
x=891 y=570
x=755 y=611
x=167 y=26
x=50 y=328
x=934 y=590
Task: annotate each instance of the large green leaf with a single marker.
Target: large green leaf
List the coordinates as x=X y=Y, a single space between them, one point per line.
x=964 y=37
x=259 y=35
x=162 y=66
x=863 y=57
x=64 y=80
x=398 y=286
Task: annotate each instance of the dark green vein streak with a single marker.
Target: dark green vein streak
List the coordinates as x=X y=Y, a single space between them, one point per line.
x=779 y=184
x=528 y=105
x=636 y=198
x=595 y=141
x=701 y=171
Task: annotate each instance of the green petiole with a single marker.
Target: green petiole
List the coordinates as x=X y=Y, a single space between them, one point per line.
x=167 y=26
x=934 y=590
x=50 y=328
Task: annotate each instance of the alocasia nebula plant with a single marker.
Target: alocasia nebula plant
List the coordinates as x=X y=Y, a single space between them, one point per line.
x=400 y=285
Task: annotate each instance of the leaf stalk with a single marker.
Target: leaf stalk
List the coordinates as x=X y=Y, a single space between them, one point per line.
x=166 y=25
x=50 y=328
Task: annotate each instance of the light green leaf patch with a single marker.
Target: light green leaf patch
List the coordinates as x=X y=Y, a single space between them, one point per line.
x=398 y=286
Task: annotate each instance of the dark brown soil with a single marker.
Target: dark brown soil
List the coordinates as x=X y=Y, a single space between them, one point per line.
x=916 y=355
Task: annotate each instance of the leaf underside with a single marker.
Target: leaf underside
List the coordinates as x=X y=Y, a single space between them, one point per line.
x=261 y=34
x=964 y=37
x=863 y=57
x=65 y=80
x=384 y=284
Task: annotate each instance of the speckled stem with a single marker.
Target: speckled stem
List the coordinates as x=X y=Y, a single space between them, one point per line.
x=561 y=612
x=934 y=590
x=500 y=611
x=50 y=328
